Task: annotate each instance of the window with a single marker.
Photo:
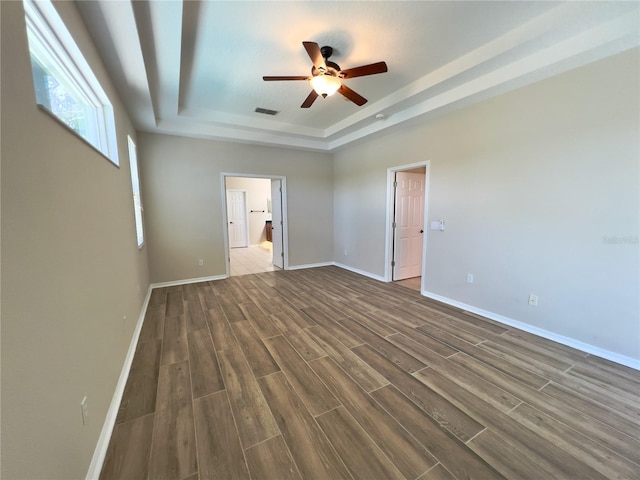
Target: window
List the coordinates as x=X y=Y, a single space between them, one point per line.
x=64 y=84
x=135 y=184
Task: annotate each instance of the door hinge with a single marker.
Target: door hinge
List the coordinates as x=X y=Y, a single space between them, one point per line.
x=393 y=225
x=282 y=254
x=393 y=263
x=395 y=184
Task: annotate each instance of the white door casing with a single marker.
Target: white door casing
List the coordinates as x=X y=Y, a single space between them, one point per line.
x=277 y=236
x=409 y=220
x=282 y=209
x=237 y=218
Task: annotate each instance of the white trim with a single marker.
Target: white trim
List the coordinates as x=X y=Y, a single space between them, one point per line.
x=360 y=272
x=285 y=220
x=225 y=228
x=568 y=341
x=311 y=265
x=388 y=242
x=135 y=185
x=188 y=280
x=100 y=451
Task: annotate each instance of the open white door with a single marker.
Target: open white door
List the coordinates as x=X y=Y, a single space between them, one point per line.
x=276 y=217
x=237 y=218
x=409 y=219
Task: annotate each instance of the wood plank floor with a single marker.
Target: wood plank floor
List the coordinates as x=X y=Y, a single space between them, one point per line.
x=325 y=374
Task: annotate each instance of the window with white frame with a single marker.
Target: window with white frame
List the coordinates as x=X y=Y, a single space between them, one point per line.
x=135 y=184
x=64 y=84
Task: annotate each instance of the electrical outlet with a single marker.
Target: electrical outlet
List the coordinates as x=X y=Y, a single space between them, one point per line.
x=345 y=252
x=533 y=300
x=469 y=277
x=201 y=263
x=84 y=408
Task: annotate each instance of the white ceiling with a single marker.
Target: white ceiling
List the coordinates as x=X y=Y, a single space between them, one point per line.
x=195 y=68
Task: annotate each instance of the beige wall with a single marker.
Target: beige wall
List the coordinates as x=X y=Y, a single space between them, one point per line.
x=258 y=191
x=70 y=270
x=181 y=188
x=539 y=191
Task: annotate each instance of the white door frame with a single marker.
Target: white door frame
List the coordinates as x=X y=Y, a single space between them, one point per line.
x=277 y=232
x=285 y=223
x=388 y=256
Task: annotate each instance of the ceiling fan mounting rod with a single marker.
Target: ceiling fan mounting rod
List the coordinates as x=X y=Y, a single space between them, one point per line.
x=329 y=68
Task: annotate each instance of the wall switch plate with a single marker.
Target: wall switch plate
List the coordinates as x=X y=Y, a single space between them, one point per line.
x=84 y=408
x=533 y=300
x=469 y=277
x=201 y=263
x=437 y=225
x=345 y=252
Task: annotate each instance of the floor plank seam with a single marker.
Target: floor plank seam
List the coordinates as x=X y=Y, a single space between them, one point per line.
x=511 y=410
x=542 y=387
x=279 y=434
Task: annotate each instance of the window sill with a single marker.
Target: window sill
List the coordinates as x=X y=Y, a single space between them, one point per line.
x=44 y=109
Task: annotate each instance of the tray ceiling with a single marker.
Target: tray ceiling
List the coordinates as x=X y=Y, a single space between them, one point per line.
x=195 y=68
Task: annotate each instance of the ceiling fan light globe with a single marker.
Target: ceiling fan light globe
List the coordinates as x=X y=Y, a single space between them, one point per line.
x=325 y=85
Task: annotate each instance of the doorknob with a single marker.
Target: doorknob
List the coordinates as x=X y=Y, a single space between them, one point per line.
x=421 y=231
x=230 y=223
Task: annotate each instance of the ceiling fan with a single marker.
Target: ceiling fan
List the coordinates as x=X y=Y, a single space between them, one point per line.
x=326 y=76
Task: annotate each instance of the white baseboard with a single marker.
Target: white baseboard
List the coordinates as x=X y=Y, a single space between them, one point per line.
x=310 y=265
x=568 y=341
x=187 y=281
x=360 y=272
x=100 y=451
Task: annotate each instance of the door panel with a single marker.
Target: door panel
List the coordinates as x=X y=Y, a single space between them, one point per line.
x=409 y=218
x=237 y=218
x=276 y=217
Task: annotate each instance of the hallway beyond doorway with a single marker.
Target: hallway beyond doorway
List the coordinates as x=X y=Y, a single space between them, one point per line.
x=252 y=259
x=412 y=283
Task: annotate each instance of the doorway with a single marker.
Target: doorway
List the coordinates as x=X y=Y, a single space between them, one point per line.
x=262 y=246
x=407 y=197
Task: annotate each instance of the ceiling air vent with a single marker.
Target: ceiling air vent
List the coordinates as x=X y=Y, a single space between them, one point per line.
x=266 y=111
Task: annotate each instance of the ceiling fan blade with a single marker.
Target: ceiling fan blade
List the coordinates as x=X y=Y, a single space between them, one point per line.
x=309 y=100
x=372 y=69
x=351 y=95
x=278 y=79
x=315 y=55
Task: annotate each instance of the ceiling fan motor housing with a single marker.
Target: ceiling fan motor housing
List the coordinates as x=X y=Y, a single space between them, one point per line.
x=333 y=69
